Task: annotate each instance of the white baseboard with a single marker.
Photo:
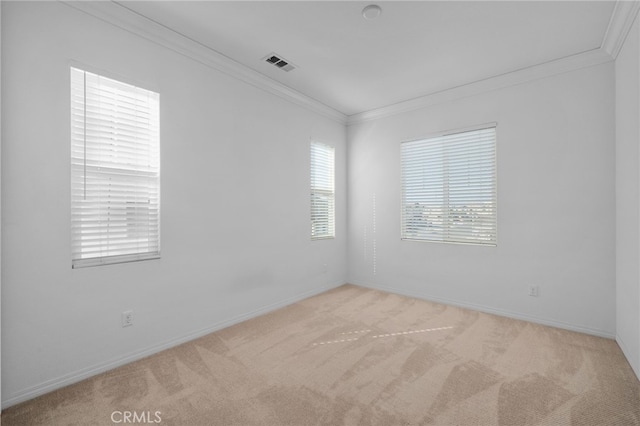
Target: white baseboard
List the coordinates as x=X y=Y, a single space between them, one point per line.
x=635 y=366
x=85 y=373
x=491 y=310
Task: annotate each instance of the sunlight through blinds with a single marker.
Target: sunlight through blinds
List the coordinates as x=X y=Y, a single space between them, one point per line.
x=115 y=171
x=449 y=188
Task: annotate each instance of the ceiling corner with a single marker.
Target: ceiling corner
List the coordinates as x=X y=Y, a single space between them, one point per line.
x=624 y=13
x=570 y=63
x=119 y=15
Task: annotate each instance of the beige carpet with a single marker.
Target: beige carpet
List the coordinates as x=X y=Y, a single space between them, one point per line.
x=354 y=356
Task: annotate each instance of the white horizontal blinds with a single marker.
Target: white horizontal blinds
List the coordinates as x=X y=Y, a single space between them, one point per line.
x=115 y=171
x=322 y=191
x=449 y=188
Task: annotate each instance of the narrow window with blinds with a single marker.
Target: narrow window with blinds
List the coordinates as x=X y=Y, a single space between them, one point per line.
x=115 y=171
x=322 y=191
x=449 y=188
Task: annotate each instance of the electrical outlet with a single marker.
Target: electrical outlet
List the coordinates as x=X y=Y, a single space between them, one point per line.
x=127 y=318
x=533 y=290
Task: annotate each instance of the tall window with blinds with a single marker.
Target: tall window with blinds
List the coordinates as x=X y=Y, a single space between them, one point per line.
x=322 y=191
x=115 y=171
x=449 y=188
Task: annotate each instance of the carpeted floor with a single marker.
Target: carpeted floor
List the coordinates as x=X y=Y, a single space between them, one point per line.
x=355 y=356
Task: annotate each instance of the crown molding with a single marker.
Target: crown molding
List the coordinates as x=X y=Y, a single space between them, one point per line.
x=535 y=72
x=128 y=20
x=624 y=13
x=116 y=14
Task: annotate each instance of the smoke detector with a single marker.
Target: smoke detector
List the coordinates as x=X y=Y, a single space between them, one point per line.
x=279 y=62
x=371 y=12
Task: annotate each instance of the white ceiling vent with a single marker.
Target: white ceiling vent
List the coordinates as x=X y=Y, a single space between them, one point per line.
x=279 y=62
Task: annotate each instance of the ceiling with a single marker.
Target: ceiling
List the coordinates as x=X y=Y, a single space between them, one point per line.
x=412 y=49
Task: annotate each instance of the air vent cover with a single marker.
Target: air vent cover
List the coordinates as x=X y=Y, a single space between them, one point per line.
x=279 y=62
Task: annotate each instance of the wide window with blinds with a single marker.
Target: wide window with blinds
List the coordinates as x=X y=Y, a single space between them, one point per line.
x=115 y=171
x=322 y=191
x=449 y=188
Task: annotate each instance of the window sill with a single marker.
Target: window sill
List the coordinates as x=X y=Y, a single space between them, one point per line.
x=112 y=260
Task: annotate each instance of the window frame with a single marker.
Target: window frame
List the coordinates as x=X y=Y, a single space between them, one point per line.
x=151 y=207
x=330 y=194
x=492 y=240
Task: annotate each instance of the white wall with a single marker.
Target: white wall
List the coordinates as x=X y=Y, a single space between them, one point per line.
x=235 y=205
x=556 y=205
x=0 y=200
x=628 y=198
